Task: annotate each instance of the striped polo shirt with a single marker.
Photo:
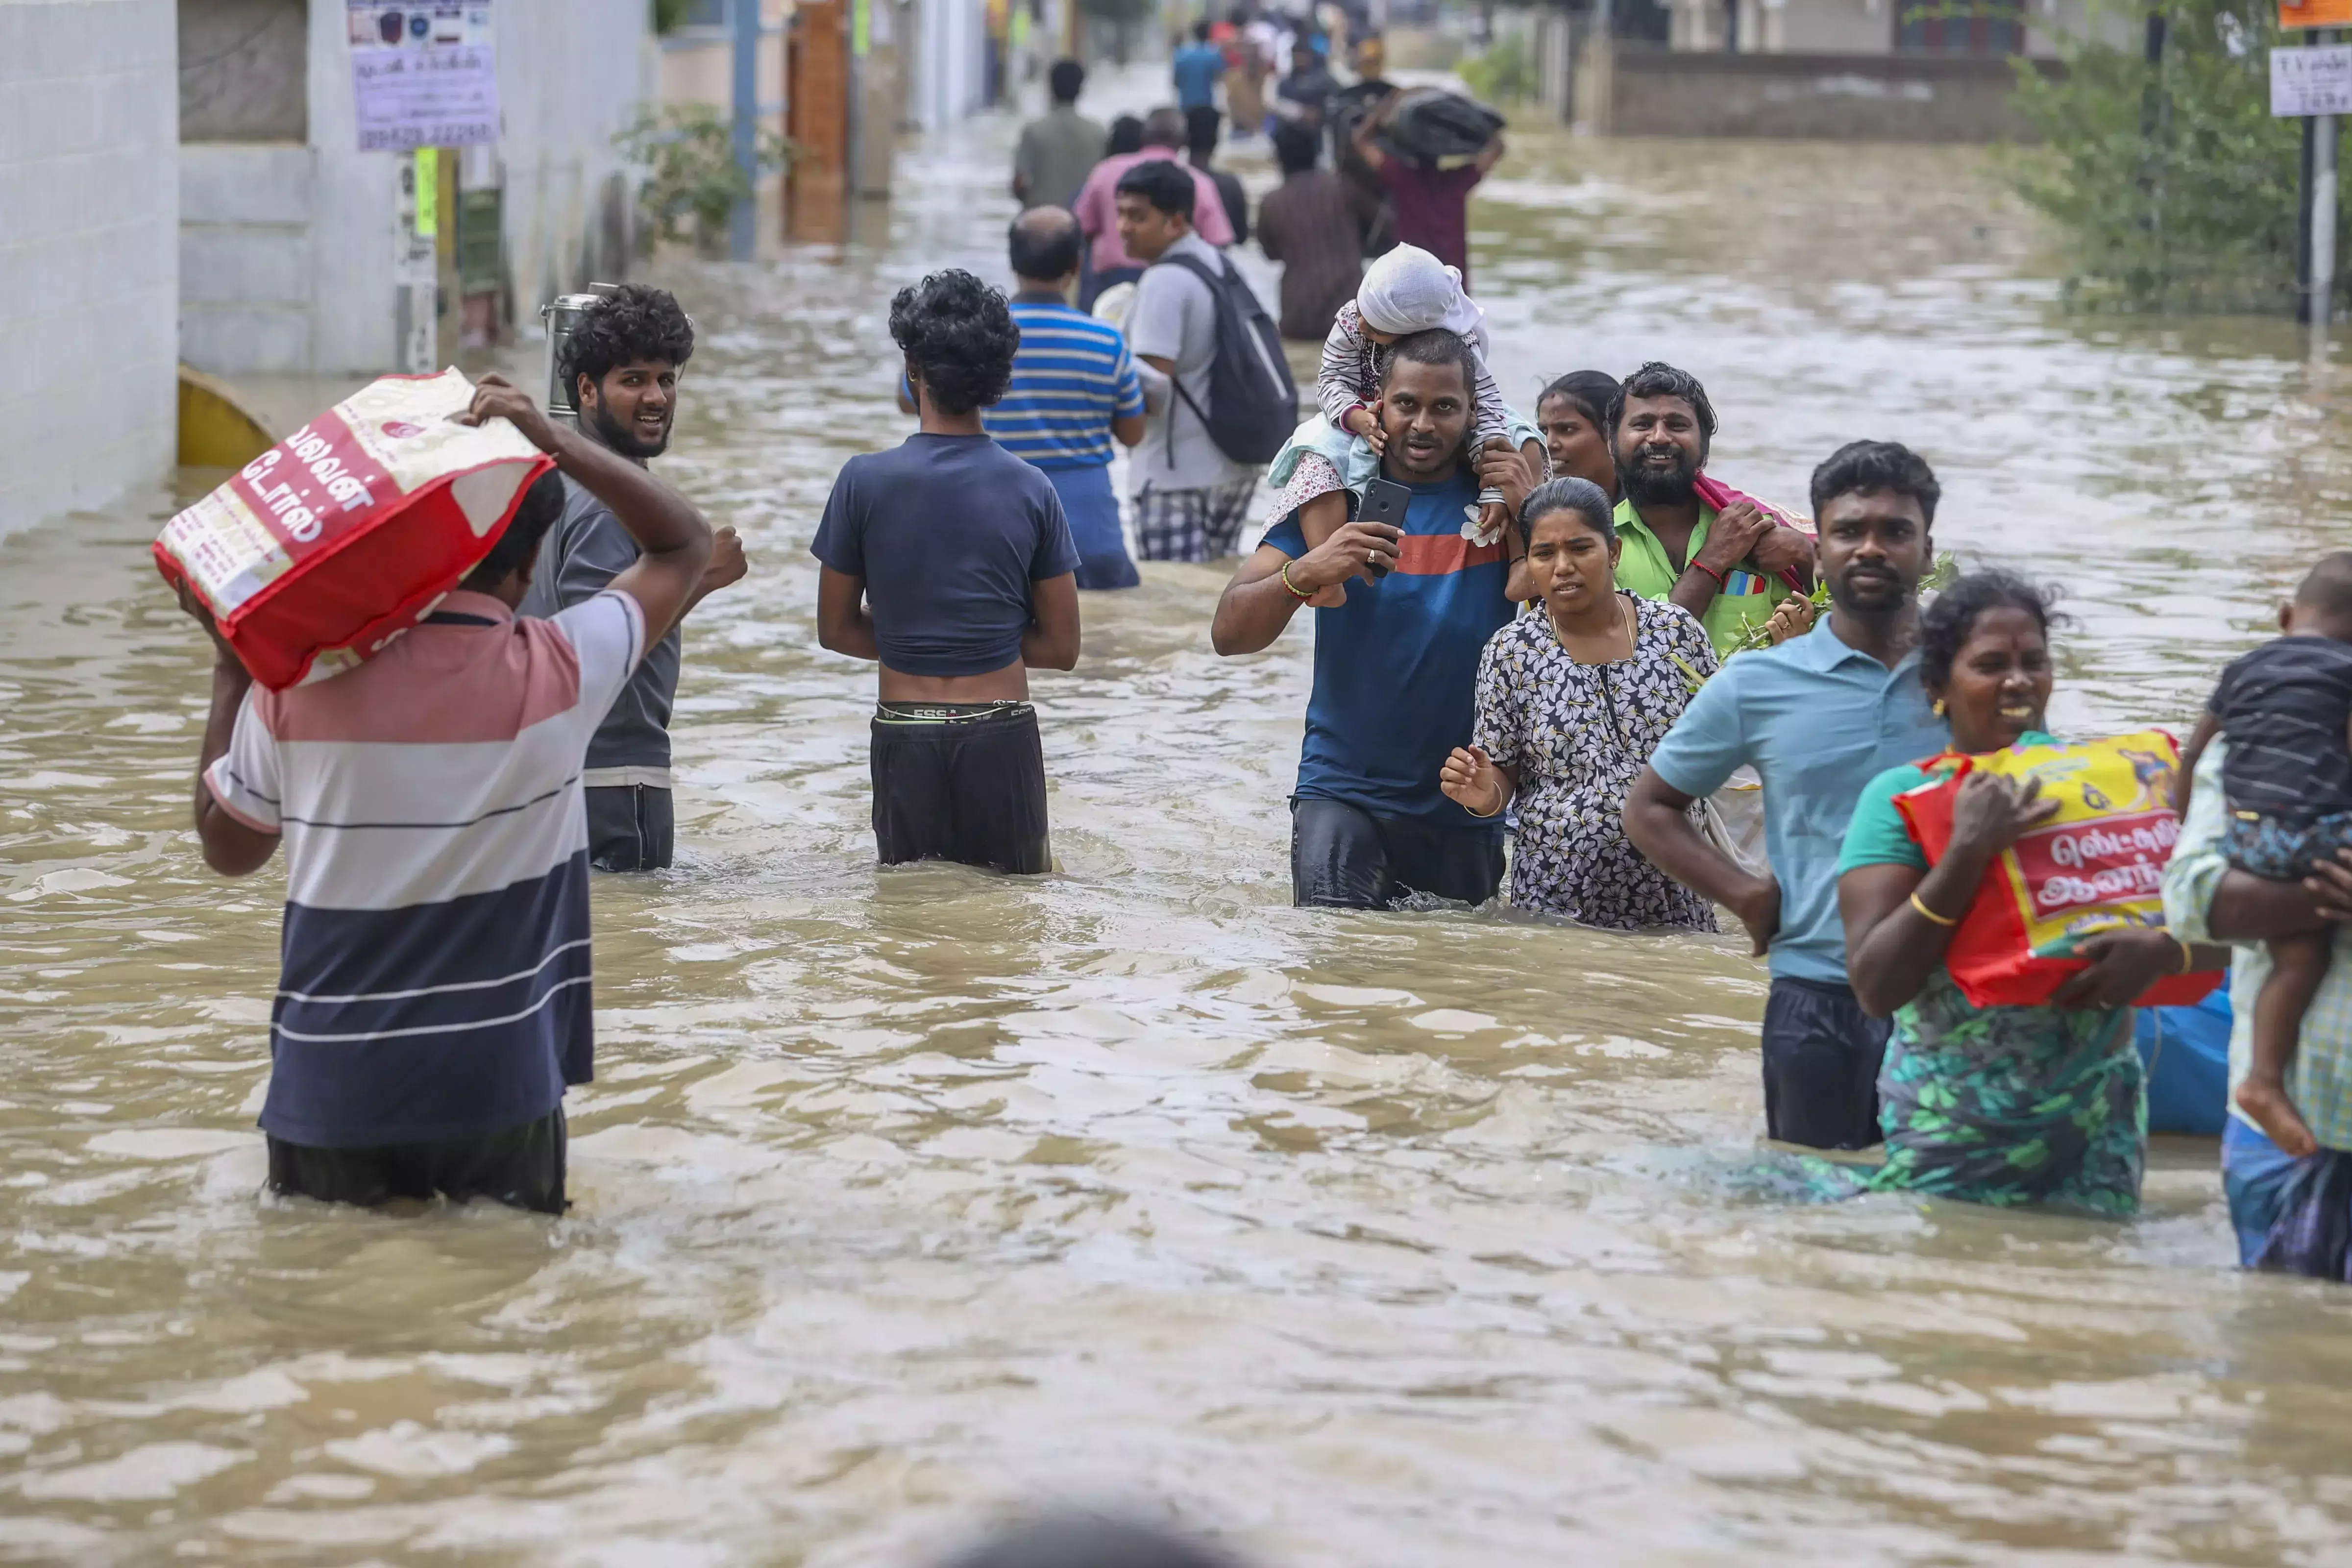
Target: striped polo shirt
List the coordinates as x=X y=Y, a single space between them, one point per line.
x=1072 y=377
x=434 y=963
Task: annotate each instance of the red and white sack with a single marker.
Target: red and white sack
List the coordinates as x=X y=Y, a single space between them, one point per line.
x=324 y=549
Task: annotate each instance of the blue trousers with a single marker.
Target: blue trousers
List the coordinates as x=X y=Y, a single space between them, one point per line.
x=1092 y=507
x=2265 y=1187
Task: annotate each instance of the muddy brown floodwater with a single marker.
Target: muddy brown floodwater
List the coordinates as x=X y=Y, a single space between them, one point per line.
x=1391 y=1239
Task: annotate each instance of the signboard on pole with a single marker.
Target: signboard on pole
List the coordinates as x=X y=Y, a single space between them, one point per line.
x=2315 y=13
x=2316 y=80
x=425 y=75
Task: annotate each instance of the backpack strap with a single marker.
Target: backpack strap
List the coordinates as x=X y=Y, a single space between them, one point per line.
x=1218 y=299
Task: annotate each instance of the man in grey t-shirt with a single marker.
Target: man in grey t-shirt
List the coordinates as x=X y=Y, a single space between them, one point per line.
x=1190 y=499
x=1059 y=149
x=623 y=363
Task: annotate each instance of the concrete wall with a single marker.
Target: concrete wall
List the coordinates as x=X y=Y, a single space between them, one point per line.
x=1627 y=92
x=287 y=247
x=1868 y=27
x=88 y=267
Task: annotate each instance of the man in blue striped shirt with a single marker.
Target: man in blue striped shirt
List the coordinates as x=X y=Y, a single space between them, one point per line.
x=1073 y=389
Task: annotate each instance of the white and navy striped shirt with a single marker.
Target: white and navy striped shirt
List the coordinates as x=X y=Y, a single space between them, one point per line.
x=435 y=964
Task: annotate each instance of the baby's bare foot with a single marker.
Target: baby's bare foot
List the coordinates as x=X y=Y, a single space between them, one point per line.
x=2275 y=1114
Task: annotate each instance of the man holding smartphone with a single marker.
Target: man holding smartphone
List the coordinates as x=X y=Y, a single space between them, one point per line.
x=1405 y=609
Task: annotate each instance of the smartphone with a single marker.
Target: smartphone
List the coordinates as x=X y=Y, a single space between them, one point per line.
x=1384 y=501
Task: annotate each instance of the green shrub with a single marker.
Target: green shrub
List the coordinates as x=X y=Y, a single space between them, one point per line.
x=691 y=180
x=1505 y=73
x=2174 y=188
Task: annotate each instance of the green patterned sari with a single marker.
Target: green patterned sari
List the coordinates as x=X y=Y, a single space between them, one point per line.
x=2012 y=1105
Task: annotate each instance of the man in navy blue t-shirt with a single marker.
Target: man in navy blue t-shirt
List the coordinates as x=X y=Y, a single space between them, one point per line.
x=1396 y=654
x=948 y=561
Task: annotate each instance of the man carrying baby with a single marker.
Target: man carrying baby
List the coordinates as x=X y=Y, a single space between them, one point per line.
x=2286 y=710
x=1402 y=617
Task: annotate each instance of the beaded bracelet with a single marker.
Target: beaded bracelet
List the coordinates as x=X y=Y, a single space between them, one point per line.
x=1295 y=593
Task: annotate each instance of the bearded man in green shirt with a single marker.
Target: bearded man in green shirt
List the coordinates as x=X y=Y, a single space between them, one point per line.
x=1724 y=566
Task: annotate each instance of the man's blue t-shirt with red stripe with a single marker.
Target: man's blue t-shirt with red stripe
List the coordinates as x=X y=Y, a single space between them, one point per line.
x=1396 y=668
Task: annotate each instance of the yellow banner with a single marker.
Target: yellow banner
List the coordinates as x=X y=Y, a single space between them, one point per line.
x=428 y=191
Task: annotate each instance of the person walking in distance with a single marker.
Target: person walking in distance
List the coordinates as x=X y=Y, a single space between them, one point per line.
x=1075 y=391
x=1307 y=224
x=1197 y=68
x=1191 y=499
x=433 y=1002
x=1097 y=208
x=948 y=560
x=624 y=362
x=1201 y=145
x=1432 y=205
x=1059 y=148
x=1818 y=717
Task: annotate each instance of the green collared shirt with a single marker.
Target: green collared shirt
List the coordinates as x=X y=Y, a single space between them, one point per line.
x=1644 y=569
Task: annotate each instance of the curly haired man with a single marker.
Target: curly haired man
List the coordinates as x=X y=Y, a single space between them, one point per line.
x=623 y=362
x=948 y=561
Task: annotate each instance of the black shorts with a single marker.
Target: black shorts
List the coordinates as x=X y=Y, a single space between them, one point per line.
x=520 y=1166
x=630 y=827
x=1344 y=858
x=1821 y=1054
x=960 y=781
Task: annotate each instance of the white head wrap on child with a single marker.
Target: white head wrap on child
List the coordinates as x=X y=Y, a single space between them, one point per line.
x=1410 y=290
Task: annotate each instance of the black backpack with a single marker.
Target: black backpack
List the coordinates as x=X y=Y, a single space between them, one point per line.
x=1253 y=401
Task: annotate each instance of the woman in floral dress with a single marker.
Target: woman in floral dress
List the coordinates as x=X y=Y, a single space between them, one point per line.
x=1571 y=701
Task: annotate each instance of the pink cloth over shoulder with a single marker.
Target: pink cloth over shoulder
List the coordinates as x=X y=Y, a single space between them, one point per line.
x=1097 y=208
x=1714 y=494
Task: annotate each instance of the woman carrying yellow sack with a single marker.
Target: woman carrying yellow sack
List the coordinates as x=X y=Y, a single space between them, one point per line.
x=1999 y=1104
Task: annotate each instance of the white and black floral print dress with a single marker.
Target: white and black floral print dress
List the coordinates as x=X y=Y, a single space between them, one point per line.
x=1577 y=734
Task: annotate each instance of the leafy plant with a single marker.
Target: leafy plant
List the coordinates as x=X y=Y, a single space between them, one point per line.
x=1756 y=634
x=2174 y=186
x=1505 y=73
x=691 y=179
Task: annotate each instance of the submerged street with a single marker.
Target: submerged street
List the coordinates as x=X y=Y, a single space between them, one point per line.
x=905 y=1198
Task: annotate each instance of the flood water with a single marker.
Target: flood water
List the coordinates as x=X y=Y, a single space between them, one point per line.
x=905 y=1199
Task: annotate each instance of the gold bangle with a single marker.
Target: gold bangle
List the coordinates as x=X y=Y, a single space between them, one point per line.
x=1483 y=815
x=2188 y=954
x=1946 y=921
x=1285 y=575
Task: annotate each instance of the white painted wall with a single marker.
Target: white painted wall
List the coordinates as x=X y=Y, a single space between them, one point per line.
x=287 y=250
x=90 y=126
x=951 y=60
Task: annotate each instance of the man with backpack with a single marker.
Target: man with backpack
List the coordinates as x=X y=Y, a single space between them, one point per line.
x=1220 y=393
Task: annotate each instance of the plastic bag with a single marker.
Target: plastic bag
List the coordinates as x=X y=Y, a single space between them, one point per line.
x=320 y=551
x=2096 y=867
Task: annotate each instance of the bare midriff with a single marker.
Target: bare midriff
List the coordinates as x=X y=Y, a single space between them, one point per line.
x=1010 y=684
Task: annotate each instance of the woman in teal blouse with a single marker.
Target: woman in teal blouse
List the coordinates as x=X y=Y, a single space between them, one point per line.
x=1991 y=1105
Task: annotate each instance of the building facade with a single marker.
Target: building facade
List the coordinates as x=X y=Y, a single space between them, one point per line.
x=89 y=259
x=287 y=229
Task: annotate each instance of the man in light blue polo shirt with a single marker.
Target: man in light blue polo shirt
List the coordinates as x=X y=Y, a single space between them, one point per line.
x=1818 y=717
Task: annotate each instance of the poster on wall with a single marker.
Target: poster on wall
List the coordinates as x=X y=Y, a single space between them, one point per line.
x=424 y=76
